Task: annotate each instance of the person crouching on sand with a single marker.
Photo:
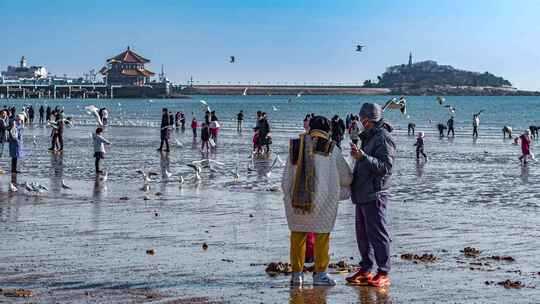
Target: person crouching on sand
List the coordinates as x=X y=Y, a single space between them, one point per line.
x=312 y=185
x=525 y=140
x=99 y=148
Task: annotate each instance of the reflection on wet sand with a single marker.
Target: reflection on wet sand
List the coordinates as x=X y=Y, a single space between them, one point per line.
x=370 y=295
x=305 y=295
x=419 y=168
x=524 y=174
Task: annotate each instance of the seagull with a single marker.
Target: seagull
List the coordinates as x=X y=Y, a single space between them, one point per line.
x=12 y=188
x=359 y=47
x=180 y=144
x=146 y=176
x=245 y=92
x=150 y=100
x=181 y=181
x=232 y=59
x=269 y=172
x=440 y=100
x=29 y=187
x=93 y=110
x=204 y=105
x=299 y=94
x=395 y=103
x=194 y=167
x=168 y=174
x=450 y=108
x=206 y=163
x=34 y=140
x=64 y=186
x=275 y=108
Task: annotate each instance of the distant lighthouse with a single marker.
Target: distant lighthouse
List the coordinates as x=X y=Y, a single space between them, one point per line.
x=410 y=59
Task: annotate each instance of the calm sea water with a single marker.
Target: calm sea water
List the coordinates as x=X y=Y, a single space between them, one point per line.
x=89 y=243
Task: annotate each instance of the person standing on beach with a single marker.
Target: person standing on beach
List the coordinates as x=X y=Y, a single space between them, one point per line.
x=165 y=133
x=475 y=124
x=420 y=146
x=450 y=125
x=313 y=177
x=4 y=124
x=41 y=113
x=15 y=138
x=182 y=122
x=104 y=116
x=205 y=138
x=194 y=126
x=99 y=148
x=264 y=132
x=48 y=114
x=525 y=140
x=177 y=120
x=31 y=115
x=354 y=131
x=370 y=186
x=338 y=129
x=214 y=126
x=239 y=119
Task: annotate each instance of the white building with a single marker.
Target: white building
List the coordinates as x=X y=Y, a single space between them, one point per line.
x=25 y=72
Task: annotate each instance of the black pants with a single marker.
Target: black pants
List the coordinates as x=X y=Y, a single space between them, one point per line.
x=475 y=131
x=420 y=151
x=194 y=132
x=14 y=165
x=57 y=142
x=451 y=130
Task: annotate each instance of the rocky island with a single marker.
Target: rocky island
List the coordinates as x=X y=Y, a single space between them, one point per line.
x=430 y=78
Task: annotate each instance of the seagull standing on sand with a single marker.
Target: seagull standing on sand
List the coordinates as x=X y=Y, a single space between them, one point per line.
x=64 y=186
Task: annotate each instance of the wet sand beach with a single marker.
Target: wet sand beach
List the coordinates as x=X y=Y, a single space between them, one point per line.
x=89 y=244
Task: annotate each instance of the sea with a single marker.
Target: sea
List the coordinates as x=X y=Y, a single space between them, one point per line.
x=110 y=241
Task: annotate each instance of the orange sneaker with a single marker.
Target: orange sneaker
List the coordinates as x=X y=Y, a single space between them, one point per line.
x=360 y=278
x=380 y=280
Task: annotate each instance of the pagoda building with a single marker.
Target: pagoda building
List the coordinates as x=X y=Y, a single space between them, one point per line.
x=126 y=68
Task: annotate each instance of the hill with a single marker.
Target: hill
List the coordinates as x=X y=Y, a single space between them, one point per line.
x=430 y=78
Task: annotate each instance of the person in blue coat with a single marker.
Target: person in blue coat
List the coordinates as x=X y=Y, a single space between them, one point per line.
x=15 y=138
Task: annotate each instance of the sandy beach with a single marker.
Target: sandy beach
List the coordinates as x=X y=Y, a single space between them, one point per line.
x=89 y=244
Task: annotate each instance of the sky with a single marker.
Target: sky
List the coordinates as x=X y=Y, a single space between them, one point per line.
x=282 y=41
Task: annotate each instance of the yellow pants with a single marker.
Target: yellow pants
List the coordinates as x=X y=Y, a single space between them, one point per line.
x=298 y=251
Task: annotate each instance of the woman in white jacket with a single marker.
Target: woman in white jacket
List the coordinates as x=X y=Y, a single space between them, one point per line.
x=316 y=177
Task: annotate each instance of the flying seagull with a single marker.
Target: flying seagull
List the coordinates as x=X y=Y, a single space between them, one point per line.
x=440 y=100
x=395 y=103
x=275 y=108
x=450 y=108
x=232 y=59
x=359 y=47
x=93 y=110
x=245 y=92
x=204 y=106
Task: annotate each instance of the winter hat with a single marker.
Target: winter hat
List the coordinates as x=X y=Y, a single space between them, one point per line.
x=371 y=111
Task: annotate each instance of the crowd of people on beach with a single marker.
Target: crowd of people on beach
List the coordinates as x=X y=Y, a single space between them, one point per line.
x=315 y=178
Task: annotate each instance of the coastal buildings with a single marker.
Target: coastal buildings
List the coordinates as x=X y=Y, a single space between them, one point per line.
x=127 y=68
x=23 y=71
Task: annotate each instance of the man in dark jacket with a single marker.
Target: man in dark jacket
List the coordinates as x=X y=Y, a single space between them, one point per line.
x=369 y=189
x=167 y=120
x=450 y=125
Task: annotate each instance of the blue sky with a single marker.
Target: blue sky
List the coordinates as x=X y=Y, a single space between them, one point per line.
x=276 y=41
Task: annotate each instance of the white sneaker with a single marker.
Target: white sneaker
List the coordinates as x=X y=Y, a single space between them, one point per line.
x=322 y=279
x=297 y=279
